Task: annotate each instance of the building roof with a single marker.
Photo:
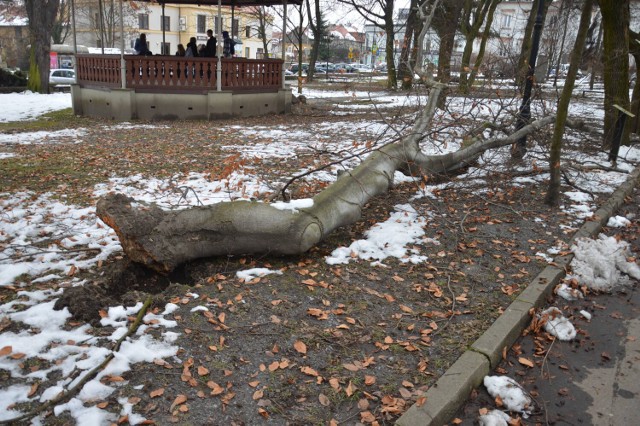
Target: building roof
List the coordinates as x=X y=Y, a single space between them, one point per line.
x=237 y=3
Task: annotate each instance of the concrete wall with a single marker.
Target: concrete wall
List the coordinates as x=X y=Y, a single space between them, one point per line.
x=127 y=104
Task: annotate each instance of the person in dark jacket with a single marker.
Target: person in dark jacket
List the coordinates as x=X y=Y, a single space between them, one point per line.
x=210 y=50
x=141 y=47
x=228 y=46
x=192 y=48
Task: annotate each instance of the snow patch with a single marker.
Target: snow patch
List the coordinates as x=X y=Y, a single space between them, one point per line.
x=513 y=396
x=557 y=325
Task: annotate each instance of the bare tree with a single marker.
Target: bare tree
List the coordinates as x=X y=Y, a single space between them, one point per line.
x=474 y=14
x=553 y=191
x=262 y=20
x=62 y=26
x=615 y=24
x=318 y=27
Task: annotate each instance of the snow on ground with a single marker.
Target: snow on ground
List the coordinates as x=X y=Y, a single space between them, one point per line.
x=28 y=105
x=45 y=238
x=513 y=396
x=557 y=324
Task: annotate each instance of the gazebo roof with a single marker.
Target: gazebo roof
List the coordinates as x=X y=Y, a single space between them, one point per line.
x=237 y=3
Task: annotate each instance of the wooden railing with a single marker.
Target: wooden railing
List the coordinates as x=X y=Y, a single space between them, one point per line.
x=180 y=74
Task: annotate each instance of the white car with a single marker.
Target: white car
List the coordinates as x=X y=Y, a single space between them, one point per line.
x=59 y=77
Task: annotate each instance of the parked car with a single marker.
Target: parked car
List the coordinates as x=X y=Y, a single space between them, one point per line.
x=294 y=68
x=325 y=68
x=362 y=68
x=58 y=77
x=344 y=67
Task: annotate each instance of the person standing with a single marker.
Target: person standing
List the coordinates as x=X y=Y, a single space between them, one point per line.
x=141 y=47
x=192 y=48
x=210 y=50
x=181 y=51
x=228 y=46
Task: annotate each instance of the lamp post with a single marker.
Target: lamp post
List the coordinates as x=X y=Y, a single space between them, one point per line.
x=328 y=39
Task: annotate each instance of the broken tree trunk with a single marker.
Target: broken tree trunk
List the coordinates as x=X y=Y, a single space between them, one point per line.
x=162 y=240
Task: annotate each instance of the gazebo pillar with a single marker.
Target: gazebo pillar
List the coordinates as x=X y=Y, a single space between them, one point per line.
x=219 y=53
x=284 y=37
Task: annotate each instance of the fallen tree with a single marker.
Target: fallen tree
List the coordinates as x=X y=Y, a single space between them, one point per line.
x=162 y=240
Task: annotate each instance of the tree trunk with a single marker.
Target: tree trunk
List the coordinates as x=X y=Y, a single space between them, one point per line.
x=318 y=30
x=405 y=70
x=472 y=19
x=483 y=44
x=42 y=16
x=553 y=192
x=162 y=240
x=445 y=21
x=634 y=49
x=389 y=29
x=523 y=60
x=615 y=24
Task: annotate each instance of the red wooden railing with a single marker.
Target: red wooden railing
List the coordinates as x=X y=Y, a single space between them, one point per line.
x=179 y=74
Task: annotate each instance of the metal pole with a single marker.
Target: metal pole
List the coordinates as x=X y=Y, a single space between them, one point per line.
x=75 y=37
x=101 y=26
x=219 y=69
x=123 y=65
x=164 y=44
x=284 y=37
x=519 y=149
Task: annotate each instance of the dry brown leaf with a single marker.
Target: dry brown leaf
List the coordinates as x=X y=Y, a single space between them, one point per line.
x=264 y=413
x=309 y=371
x=333 y=422
x=300 y=346
x=405 y=393
x=420 y=401
x=335 y=383
x=156 y=393
x=102 y=405
x=351 y=367
x=180 y=399
x=367 y=417
x=369 y=380
x=202 y=371
x=363 y=404
x=406 y=309
x=324 y=401
x=6 y=350
x=350 y=389
x=274 y=366
x=216 y=389
x=524 y=361
x=18 y=355
x=183 y=408
x=32 y=391
x=456 y=421
x=258 y=394
x=254 y=383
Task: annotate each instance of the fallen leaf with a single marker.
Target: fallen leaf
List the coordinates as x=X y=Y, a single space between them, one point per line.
x=202 y=371
x=274 y=366
x=6 y=350
x=335 y=383
x=324 y=401
x=216 y=389
x=309 y=371
x=300 y=347
x=156 y=393
x=526 y=362
x=363 y=404
x=351 y=367
x=180 y=399
x=18 y=355
x=102 y=405
x=367 y=417
x=258 y=394
x=32 y=391
x=369 y=380
x=563 y=391
x=350 y=389
x=254 y=384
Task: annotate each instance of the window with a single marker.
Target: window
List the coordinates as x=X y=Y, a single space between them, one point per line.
x=166 y=48
x=201 y=25
x=247 y=31
x=143 y=21
x=246 y=52
x=98 y=43
x=166 y=24
x=234 y=27
x=506 y=21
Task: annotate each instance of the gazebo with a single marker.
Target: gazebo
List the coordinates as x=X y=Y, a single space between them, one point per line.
x=124 y=87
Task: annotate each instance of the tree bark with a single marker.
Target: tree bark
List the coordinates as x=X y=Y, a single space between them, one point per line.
x=483 y=44
x=405 y=70
x=42 y=17
x=445 y=22
x=389 y=29
x=615 y=24
x=473 y=16
x=523 y=59
x=553 y=192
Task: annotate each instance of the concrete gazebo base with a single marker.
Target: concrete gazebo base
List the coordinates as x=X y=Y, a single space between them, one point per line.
x=128 y=104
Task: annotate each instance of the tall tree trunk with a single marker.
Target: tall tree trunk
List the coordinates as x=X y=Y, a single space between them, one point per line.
x=389 y=29
x=405 y=70
x=483 y=44
x=634 y=49
x=553 y=192
x=474 y=14
x=42 y=16
x=318 y=29
x=615 y=27
x=523 y=58
x=446 y=20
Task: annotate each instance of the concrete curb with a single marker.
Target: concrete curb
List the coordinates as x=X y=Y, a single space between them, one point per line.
x=448 y=394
